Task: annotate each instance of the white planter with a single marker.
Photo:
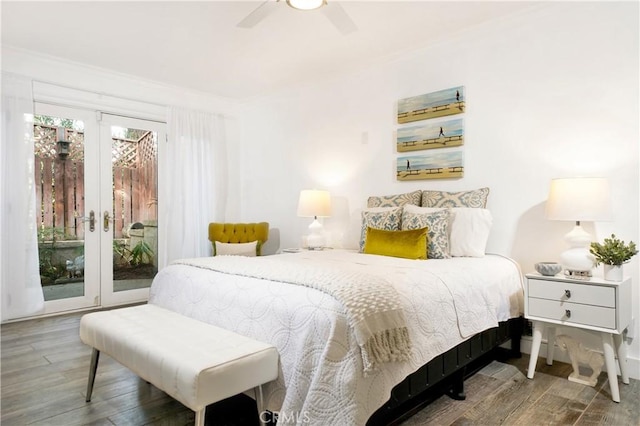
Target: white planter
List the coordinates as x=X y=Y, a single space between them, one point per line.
x=613 y=272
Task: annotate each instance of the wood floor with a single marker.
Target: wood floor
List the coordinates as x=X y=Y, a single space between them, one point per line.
x=44 y=373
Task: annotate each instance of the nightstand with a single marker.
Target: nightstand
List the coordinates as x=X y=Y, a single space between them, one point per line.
x=596 y=305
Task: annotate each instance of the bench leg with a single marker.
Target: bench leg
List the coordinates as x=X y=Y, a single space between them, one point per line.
x=200 y=417
x=262 y=417
x=93 y=368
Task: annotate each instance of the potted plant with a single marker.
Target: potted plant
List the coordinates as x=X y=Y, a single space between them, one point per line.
x=613 y=253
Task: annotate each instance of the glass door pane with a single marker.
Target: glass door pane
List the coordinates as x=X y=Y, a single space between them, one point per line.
x=129 y=213
x=64 y=147
x=135 y=207
x=59 y=177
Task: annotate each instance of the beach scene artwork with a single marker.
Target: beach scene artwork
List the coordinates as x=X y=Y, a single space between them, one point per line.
x=431 y=105
x=436 y=165
x=442 y=134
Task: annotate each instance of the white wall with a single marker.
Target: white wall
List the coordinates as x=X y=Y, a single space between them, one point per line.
x=552 y=93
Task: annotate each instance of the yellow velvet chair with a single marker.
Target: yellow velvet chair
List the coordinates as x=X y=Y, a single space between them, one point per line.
x=239 y=233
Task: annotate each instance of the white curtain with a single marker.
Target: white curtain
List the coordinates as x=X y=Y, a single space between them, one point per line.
x=193 y=183
x=21 y=289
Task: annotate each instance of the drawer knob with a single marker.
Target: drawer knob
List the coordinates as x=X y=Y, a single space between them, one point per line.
x=567 y=293
x=567 y=313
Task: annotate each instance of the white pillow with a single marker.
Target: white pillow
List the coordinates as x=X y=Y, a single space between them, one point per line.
x=420 y=210
x=470 y=229
x=236 y=249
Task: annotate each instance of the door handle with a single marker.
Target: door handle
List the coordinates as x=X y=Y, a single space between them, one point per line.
x=106 y=218
x=91 y=219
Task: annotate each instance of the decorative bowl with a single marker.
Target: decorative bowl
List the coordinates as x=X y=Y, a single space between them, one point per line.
x=548 y=269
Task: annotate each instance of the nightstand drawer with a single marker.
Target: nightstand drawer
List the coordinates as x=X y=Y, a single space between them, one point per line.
x=578 y=293
x=596 y=316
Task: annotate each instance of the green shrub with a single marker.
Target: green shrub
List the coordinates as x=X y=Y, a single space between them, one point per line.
x=142 y=253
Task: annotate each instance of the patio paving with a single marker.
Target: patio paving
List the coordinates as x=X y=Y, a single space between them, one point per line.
x=76 y=289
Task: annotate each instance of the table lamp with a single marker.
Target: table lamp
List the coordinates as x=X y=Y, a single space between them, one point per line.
x=578 y=199
x=314 y=203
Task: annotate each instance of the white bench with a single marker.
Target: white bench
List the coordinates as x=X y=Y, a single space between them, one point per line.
x=194 y=362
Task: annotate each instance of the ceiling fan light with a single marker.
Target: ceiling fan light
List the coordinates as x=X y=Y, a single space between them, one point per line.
x=306 y=4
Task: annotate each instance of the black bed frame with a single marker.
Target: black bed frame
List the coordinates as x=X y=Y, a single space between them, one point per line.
x=445 y=374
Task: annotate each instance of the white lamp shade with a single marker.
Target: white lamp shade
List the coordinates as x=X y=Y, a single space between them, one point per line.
x=305 y=4
x=579 y=199
x=314 y=203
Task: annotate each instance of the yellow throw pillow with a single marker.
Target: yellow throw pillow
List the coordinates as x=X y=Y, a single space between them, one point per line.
x=411 y=244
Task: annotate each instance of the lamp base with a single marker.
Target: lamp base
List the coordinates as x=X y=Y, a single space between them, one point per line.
x=577 y=260
x=315 y=239
x=577 y=275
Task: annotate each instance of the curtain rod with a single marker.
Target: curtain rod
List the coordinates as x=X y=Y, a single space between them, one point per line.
x=94 y=104
x=136 y=117
x=108 y=112
x=65 y=86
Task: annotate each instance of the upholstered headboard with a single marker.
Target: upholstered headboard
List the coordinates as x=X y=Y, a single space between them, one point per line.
x=239 y=233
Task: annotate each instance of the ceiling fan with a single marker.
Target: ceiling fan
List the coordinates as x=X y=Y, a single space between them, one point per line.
x=333 y=11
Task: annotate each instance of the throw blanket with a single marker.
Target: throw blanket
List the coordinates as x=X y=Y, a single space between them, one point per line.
x=372 y=305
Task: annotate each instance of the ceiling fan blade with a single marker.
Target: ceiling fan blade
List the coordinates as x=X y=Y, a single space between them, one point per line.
x=339 y=18
x=258 y=14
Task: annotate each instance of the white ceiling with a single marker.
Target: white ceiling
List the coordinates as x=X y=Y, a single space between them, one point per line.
x=197 y=44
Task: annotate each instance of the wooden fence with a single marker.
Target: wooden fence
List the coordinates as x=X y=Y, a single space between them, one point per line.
x=60 y=184
x=134 y=195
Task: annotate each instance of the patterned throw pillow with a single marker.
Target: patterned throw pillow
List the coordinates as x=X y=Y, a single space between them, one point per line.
x=438 y=224
x=397 y=200
x=387 y=218
x=476 y=198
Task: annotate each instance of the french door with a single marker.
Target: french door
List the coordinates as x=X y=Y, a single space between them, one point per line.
x=129 y=207
x=96 y=180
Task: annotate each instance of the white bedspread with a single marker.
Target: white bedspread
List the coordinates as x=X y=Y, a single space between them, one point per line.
x=371 y=303
x=445 y=302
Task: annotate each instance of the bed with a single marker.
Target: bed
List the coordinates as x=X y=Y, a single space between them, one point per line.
x=449 y=304
x=448 y=312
